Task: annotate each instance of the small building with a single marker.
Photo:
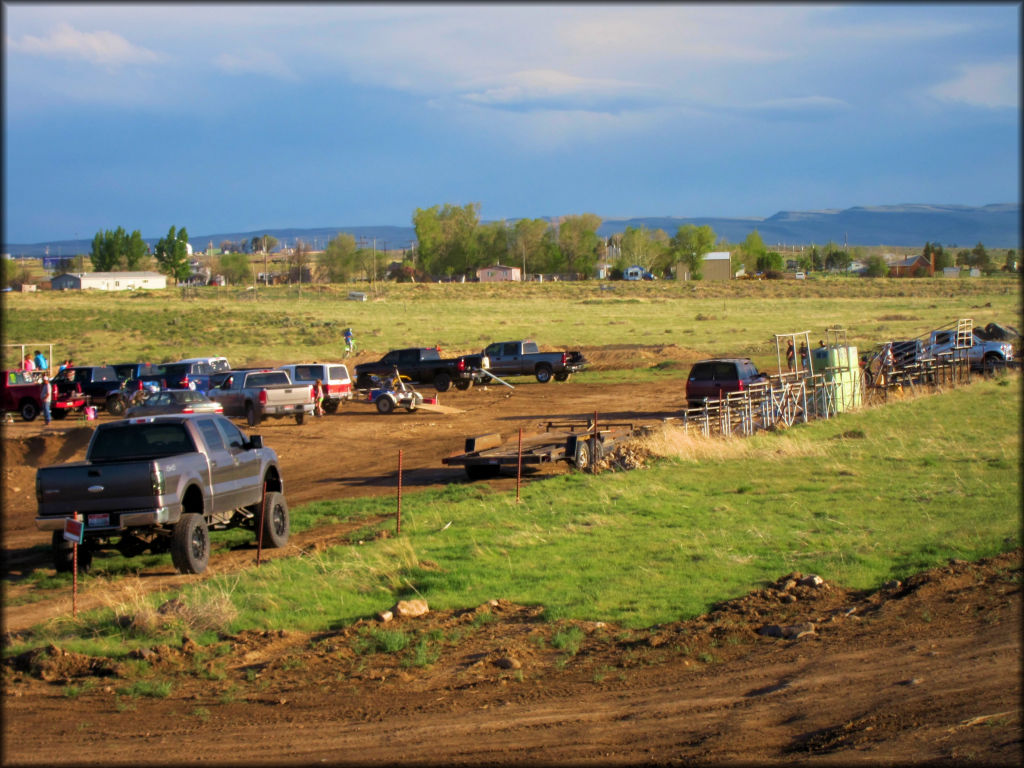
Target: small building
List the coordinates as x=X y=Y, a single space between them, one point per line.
x=718 y=265
x=499 y=274
x=109 y=281
x=912 y=267
x=634 y=273
x=951 y=272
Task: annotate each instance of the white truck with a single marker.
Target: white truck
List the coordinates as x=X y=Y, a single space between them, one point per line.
x=983 y=353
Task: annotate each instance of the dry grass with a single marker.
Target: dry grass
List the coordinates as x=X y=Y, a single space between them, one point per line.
x=206 y=607
x=673 y=442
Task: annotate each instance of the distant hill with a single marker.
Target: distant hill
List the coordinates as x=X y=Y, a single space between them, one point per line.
x=909 y=225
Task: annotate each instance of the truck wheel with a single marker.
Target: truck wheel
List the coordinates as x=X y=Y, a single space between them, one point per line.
x=562 y=376
x=363 y=381
x=442 y=382
x=190 y=544
x=385 y=404
x=29 y=410
x=115 y=405
x=63 y=555
x=331 y=406
x=250 y=415
x=276 y=522
x=582 y=458
x=464 y=385
x=300 y=417
x=992 y=361
x=59 y=413
x=543 y=373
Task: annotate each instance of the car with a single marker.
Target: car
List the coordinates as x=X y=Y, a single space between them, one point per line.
x=710 y=379
x=174 y=401
x=195 y=375
x=334 y=377
x=217 y=363
x=800 y=276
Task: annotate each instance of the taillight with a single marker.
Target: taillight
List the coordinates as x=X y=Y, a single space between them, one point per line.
x=462 y=364
x=157 y=480
x=140 y=385
x=741 y=386
x=184 y=381
x=187 y=410
x=563 y=358
x=263 y=397
x=311 y=396
x=218 y=408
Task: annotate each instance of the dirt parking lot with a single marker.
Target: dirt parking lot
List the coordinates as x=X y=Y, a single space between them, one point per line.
x=924 y=671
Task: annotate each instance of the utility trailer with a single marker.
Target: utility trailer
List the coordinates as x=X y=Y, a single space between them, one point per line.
x=575 y=441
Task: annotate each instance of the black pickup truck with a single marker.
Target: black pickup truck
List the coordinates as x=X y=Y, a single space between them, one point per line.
x=424 y=364
x=99 y=383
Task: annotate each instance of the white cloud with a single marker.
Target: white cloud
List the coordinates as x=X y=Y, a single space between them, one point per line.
x=255 y=63
x=550 y=89
x=992 y=85
x=66 y=42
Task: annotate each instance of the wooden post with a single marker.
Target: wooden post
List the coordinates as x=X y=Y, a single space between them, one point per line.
x=259 y=536
x=519 y=465
x=398 y=515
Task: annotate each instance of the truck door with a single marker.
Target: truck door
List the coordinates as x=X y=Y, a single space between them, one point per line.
x=223 y=466
x=248 y=482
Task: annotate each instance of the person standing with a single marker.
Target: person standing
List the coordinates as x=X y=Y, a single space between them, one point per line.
x=349 y=343
x=41 y=362
x=803 y=357
x=28 y=364
x=318 y=398
x=790 y=356
x=46 y=395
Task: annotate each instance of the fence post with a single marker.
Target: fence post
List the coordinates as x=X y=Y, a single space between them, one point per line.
x=519 y=465
x=74 y=575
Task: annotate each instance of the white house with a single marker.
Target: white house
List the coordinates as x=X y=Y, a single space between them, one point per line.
x=499 y=274
x=109 y=281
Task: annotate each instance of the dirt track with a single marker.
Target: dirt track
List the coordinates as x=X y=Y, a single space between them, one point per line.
x=928 y=671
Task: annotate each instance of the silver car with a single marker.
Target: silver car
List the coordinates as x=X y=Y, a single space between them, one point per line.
x=175 y=401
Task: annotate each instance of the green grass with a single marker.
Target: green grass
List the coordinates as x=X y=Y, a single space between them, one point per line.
x=859 y=499
x=283 y=325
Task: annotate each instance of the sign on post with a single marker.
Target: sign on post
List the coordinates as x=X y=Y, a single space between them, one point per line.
x=74 y=530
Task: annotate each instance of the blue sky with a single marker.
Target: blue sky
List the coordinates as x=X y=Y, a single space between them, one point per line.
x=240 y=117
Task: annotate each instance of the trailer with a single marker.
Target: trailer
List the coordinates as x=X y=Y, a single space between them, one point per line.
x=583 y=443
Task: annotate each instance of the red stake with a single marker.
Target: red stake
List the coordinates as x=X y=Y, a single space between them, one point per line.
x=519 y=466
x=74 y=575
x=398 y=515
x=259 y=537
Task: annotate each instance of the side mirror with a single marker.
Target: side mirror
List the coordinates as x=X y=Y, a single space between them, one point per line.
x=255 y=442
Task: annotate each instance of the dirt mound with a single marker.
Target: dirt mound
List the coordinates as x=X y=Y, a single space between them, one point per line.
x=47 y=448
x=920 y=671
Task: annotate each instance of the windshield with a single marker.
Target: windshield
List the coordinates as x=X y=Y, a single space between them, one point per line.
x=127 y=442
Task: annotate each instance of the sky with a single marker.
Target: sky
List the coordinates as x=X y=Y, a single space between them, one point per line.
x=239 y=117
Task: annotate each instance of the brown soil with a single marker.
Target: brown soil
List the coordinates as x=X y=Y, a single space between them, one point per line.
x=925 y=671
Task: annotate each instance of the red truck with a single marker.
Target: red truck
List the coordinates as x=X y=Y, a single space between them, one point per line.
x=20 y=391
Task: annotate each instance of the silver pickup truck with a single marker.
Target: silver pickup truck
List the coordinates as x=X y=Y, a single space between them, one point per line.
x=255 y=394
x=163 y=482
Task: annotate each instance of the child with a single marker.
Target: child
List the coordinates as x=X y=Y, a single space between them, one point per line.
x=318 y=398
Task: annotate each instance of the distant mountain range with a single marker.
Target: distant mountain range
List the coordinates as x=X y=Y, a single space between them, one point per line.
x=910 y=225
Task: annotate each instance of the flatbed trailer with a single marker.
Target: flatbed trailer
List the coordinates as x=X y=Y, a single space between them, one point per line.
x=575 y=441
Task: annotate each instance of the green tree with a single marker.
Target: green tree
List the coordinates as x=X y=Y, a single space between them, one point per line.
x=494 y=243
x=236 y=268
x=752 y=248
x=135 y=251
x=979 y=257
x=641 y=247
x=689 y=245
x=530 y=250
x=1011 y=261
x=877 y=267
x=171 y=254
x=770 y=261
x=448 y=238
x=338 y=261
x=578 y=242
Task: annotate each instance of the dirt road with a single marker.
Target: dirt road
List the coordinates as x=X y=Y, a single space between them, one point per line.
x=929 y=670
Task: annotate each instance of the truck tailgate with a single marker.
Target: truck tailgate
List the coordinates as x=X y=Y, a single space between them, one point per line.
x=95 y=488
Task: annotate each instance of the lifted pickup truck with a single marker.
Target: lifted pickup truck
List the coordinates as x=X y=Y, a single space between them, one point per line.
x=523 y=358
x=423 y=364
x=23 y=393
x=163 y=482
x=255 y=394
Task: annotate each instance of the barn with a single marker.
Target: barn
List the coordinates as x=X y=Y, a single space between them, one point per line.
x=499 y=274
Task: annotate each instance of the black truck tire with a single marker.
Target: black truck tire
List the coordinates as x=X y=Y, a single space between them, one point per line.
x=29 y=410
x=300 y=417
x=276 y=521
x=543 y=373
x=463 y=384
x=442 y=382
x=115 y=405
x=562 y=376
x=63 y=554
x=190 y=544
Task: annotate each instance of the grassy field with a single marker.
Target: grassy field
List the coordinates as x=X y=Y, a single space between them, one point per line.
x=284 y=324
x=859 y=499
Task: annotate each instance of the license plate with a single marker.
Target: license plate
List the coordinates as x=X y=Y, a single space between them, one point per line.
x=99 y=521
